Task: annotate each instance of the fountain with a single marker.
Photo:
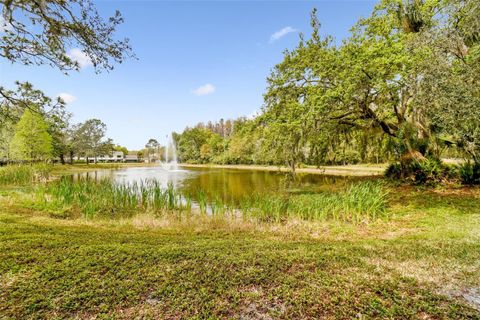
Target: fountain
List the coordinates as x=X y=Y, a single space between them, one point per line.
x=170 y=163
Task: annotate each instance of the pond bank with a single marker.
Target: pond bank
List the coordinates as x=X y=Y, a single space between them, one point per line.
x=358 y=170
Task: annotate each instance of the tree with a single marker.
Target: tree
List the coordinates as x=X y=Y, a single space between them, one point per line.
x=451 y=77
x=26 y=97
x=370 y=81
x=31 y=141
x=120 y=148
x=152 y=149
x=47 y=32
x=405 y=85
x=190 y=142
x=140 y=155
x=59 y=128
x=89 y=139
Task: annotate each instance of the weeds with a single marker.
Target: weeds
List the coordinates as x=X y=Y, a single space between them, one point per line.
x=107 y=198
x=359 y=202
x=24 y=174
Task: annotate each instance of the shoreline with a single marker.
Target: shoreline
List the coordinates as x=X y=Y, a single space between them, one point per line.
x=358 y=170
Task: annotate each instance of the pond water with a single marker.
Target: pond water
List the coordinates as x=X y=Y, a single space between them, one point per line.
x=230 y=185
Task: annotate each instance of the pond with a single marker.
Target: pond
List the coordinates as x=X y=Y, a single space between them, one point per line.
x=230 y=185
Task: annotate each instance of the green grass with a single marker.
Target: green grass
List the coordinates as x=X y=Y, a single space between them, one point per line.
x=419 y=264
x=140 y=251
x=105 y=198
x=358 y=202
x=24 y=174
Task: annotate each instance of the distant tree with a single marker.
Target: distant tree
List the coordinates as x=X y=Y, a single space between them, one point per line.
x=25 y=97
x=59 y=128
x=152 y=147
x=89 y=139
x=31 y=141
x=6 y=136
x=140 y=155
x=190 y=142
x=106 y=147
x=120 y=148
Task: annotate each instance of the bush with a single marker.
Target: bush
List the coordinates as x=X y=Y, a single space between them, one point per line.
x=427 y=171
x=469 y=173
x=430 y=171
x=394 y=171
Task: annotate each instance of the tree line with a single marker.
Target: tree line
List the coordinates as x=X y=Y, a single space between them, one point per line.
x=404 y=85
x=35 y=134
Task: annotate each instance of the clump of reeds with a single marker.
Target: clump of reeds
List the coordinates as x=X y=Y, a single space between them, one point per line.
x=24 y=174
x=109 y=199
x=359 y=202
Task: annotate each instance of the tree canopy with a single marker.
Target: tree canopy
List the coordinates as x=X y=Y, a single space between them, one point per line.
x=31 y=140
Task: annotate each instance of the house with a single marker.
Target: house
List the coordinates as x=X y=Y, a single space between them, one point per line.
x=131 y=158
x=116 y=156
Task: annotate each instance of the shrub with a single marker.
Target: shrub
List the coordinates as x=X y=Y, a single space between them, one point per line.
x=427 y=171
x=469 y=173
x=394 y=171
x=431 y=171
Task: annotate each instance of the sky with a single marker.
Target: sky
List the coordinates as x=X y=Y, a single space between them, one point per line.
x=197 y=61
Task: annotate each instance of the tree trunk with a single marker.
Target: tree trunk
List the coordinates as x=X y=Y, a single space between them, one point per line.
x=292 y=167
x=62 y=158
x=71 y=157
x=86 y=157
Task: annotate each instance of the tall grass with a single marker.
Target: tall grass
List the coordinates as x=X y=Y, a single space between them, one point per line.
x=359 y=202
x=109 y=199
x=24 y=174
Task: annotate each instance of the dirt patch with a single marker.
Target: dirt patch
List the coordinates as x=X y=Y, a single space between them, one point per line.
x=470 y=295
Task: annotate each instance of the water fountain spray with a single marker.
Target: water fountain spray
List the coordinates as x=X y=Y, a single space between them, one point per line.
x=171 y=165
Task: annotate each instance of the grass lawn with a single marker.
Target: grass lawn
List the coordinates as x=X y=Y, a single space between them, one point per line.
x=422 y=263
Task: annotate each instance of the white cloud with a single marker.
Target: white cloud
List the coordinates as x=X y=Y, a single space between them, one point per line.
x=80 y=57
x=204 y=90
x=67 y=97
x=281 y=33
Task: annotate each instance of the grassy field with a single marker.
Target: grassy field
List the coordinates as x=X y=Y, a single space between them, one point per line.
x=423 y=262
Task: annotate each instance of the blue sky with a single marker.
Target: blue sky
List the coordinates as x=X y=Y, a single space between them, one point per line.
x=198 y=61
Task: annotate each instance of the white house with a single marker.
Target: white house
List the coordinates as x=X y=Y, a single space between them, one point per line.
x=116 y=156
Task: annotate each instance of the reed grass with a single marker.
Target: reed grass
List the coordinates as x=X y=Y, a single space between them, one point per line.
x=109 y=199
x=24 y=174
x=358 y=202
